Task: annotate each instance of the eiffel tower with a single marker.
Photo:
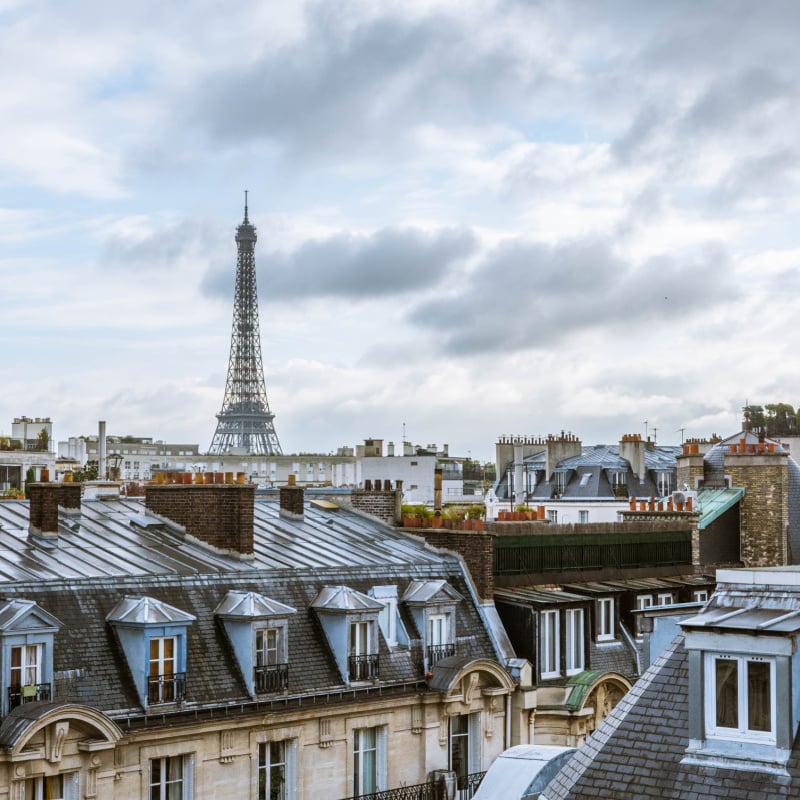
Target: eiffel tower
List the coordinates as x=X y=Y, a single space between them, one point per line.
x=244 y=425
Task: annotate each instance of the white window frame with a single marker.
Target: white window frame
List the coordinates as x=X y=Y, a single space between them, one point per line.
x=583 y=516
x=552 y=515
x=359 y=644
x=376 y=782
x=186 y=781
x=605 y=619
x=701 y=595
x=665 y=599
x=741 y=732
x=473 y=740
x=575 y=641
x=437 y=629
x=268 y=647
x=31 y=664
x=265 y=765
x=549 y=644
x=644 y=601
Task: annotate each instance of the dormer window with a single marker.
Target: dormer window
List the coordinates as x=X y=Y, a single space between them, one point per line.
x=605 y=620
x=27 y=633
x=153 y=637
x=258 y=630
x=350 y=622
x=362 y=654
x=433 y=606
x=741 y=697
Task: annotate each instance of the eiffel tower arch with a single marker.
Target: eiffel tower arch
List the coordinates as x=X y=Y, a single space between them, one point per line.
x=245 y=423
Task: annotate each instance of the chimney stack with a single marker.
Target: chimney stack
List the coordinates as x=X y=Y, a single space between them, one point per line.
x=291 y=500
x=221 y=515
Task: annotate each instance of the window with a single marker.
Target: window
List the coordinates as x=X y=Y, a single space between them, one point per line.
x=368 y=757
x=549 y=644
x=644 y=601
x=438 y=638
x=25 y=679
x=701 y=596
x=552 y=515
x=362 y=663
x=464 y=755
x=664 y=483
x=272 y=778
x=740 y=701
x=561 y=481
x=55 y=787
x=583 y=516
x=271 y=672
x=574 y=631
x=165 y=683
x=170 y=778
x=665 y=599
x=605 y=619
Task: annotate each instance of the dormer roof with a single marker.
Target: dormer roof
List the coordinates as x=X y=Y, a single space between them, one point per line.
x=132 y=610
x=250 y=605
x=430 y=592
x=344 y=599
x=23 y=615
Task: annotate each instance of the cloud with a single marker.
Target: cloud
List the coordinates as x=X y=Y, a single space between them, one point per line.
x=354 y=81
x=526 y=296
x=389 y=262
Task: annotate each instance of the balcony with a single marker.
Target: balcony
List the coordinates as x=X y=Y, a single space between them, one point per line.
x=363 y=668
x=166 y=688
x=436 y=652
x=465 y=788
x=271 y=678
x=30 y=693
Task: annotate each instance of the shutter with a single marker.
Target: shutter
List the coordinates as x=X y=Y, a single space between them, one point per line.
x=382 y=757
x=188 y=777
x=71 y=786
x=291 y=769
x=475 y=742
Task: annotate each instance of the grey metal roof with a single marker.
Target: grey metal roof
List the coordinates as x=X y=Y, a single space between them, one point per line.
x=761 y=620
x=538 y=594
x=147 y=611
x=251 y=605
x=107 y=539
x=343 y=598
x=438 y=591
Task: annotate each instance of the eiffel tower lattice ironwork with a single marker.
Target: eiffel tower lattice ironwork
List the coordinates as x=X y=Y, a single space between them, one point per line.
x=245 y=423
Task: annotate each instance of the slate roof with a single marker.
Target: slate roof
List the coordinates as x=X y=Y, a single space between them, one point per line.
x=589 y=472
x=106 y=559
x=637 y=751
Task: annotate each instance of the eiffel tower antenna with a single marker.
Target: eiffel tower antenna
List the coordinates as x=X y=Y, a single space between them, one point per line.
x=244 y=425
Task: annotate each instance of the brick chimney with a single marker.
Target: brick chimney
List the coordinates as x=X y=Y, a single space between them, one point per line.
x=382 y=501
x=220 y=515
x=291 y=503
x=45 y=501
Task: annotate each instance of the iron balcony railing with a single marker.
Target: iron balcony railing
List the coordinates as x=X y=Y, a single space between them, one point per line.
x=467 y=785
x=436 y=652
x=271 y=678
x=419 y=791
x=30 y=693
x=166 y=688
x=363 y=668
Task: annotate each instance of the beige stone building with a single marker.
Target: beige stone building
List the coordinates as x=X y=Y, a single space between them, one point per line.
x=203 y=643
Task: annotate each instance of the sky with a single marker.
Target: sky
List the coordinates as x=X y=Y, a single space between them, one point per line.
x=474 y=219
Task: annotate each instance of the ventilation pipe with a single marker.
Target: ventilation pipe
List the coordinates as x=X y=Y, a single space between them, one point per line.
x=101 y=449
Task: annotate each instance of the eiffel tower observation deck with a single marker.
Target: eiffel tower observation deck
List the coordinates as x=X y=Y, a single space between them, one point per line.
x=245 y=423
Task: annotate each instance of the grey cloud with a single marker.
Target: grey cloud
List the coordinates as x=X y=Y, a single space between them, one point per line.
x=528 y=296
x=351 y=84
x=159 y=249
x=392 y=261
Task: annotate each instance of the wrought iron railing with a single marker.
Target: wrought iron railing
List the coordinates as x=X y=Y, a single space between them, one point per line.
x=467 y=785
x=363 y=668
x=271 y=678
x=166 y=688
x=436 y=652
x=30 y=693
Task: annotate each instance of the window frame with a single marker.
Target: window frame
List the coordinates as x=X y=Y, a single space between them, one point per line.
x=606 y=627
x=644 y=601
x=549 y=643
x=575 y=641
x=741 y=732
x=360 y=748
x=264 y=769
x=186 y=781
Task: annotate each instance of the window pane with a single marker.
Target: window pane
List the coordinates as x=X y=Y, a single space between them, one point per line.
x=759 y=716
x=727 y=698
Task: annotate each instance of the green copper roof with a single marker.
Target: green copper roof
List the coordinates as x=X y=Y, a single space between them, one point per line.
x=715 y=502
